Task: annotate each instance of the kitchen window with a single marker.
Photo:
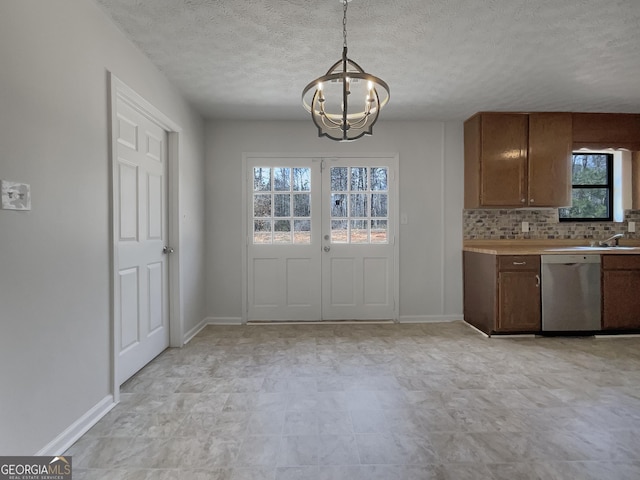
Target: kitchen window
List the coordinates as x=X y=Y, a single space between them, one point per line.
x=592 y=188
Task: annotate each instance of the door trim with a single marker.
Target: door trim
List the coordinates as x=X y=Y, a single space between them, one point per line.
x=117 y=89
x=310 y=156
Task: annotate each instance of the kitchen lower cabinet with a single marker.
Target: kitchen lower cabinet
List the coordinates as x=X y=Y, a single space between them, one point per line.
x=502 y=292
x=621 y=292
x=518 y=301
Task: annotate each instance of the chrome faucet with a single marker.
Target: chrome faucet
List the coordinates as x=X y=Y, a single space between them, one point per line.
x=612 y=238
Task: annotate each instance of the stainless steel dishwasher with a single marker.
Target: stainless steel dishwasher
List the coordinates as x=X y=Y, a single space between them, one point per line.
x=570 y=293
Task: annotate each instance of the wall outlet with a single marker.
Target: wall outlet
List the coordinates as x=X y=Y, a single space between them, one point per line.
x=525 y=227
x=631 y=227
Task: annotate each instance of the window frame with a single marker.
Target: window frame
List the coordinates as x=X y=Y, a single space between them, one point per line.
x=609 y=186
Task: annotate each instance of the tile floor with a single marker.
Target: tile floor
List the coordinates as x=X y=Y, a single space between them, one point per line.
x=375 y=402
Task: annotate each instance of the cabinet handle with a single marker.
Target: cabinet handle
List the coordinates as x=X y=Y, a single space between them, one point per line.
x=531 y=201
x=519 y=263
x=537 y=281
x=523 y=200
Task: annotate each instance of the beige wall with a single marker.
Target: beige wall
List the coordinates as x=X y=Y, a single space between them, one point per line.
x=431 y=169
x=55 y=303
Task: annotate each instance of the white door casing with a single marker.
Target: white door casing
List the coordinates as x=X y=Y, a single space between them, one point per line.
x=145 y=279
x=348 y=267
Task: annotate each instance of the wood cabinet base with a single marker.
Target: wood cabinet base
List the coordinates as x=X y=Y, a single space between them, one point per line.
x=502 y=293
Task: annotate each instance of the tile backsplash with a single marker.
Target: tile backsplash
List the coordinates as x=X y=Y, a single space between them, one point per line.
x=503 y=224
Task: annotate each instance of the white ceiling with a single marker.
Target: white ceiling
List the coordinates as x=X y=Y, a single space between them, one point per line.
x=443 y=59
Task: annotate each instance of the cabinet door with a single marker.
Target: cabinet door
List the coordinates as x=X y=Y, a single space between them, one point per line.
x=620 y=299
x=503 y=166
x=518 y=301
x=606 y=130
x=550 y=147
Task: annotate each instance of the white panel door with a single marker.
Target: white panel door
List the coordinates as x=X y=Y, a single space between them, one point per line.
x=140 y=202
x=283 y=257
x=321 y=239
x=358 y=230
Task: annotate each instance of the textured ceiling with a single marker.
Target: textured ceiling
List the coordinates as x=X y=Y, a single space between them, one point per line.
x=443 y=59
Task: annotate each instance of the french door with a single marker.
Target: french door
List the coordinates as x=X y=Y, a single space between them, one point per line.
x=321 y=243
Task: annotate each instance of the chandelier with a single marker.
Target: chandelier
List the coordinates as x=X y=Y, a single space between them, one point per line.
x=346 y=101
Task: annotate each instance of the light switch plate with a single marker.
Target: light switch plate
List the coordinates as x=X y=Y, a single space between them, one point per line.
x=525 y=227
x=15 y=195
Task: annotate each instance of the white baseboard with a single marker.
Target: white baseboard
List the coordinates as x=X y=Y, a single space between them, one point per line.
x=194 y=331
x=476 y=329
x=62 y=442
x=320 y=322
x=223 y=320
x=429 y=318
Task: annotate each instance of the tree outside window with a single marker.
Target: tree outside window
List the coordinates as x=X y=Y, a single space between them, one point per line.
x=592 y=188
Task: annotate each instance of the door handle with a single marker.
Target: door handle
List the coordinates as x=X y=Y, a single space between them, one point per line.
x=326 y=248
x=166 y=249
x=537 y=281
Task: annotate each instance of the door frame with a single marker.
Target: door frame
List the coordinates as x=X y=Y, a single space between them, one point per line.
x=319 y=156
x=117 y=89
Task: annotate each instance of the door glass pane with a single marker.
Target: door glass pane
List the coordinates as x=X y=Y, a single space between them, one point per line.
x=353 y=199
x=338 y=205
x=280 y=217
x=282 y=231
x=301 y=205
x=301 y=179
x=359 y=179
x=282 y=179
x=281 y=205
x=262 y=231
x=339 y=231
x=379 y=205
x=302 y=231
x=359 y=231
x=339 y=179
x=379 y=178
x=261 y=179
x=358 y=205
x=379 y=231
x=262 y=205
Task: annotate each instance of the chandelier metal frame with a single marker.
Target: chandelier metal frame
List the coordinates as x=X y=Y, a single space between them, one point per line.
x=345 y=125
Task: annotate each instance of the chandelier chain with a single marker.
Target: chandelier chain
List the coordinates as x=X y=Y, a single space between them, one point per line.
x=344 y=23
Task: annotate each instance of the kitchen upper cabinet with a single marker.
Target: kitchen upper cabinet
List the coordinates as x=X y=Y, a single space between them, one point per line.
x=495 y=154
x=606 y=130
x=518 y=160
x=620 y=292
x=550 y=152
x=635 y=180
